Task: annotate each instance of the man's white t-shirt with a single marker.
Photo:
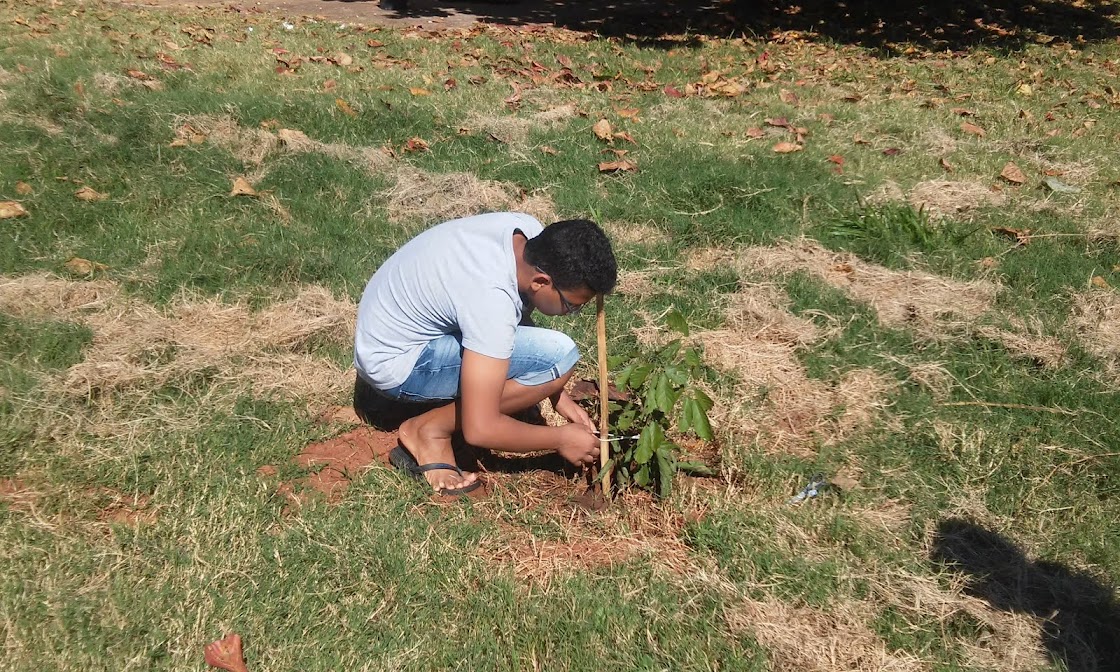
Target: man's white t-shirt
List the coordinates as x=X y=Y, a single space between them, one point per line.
x=457 y=277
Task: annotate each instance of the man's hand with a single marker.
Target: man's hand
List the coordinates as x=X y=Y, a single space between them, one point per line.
x=578 y=445
x=573 y=412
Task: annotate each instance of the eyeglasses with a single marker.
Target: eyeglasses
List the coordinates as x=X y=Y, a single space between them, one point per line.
x=565 y=305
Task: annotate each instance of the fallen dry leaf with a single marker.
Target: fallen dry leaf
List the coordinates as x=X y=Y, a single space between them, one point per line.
x=755 y=133
x=839 y=161
x=1100 y=282
x=628 y=113
x=417 y=91
x=779 y=122
x=891 y=151
x=623 y=135
x=602 y=130
x=343 y=59
x=787 y=148
x=672 y=92
x=622 y=165
x=329 y=85
x=79 y=266
x=345 y=107
x=514 y=100
x=1013 y=174
x=23 y=188
x=241 y=187
x=946 y=166
x=449 y=84
x=89 y=194
x=788 y=97
x=179 y=142
x=549 y=150
x=1021 y=236
x=137 y=74
x=10 y=209
x=416 y=145
x=972 y=129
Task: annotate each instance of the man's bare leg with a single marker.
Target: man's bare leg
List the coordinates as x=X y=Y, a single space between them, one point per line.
x=428 y=436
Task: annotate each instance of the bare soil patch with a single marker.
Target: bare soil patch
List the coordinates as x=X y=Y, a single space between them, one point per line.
x=334 y=463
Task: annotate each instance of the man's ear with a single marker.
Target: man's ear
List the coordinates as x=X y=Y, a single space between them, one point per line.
x=539 y=281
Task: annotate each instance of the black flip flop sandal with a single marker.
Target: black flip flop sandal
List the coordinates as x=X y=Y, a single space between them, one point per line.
x=400 y=458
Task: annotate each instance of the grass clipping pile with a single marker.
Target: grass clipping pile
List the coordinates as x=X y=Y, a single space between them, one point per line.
x=784 y=407
x=137 y=347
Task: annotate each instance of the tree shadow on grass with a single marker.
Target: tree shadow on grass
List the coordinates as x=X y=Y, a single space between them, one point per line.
x=1081 y=615
x=937 y=25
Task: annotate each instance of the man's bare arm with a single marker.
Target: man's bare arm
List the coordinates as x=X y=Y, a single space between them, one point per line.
x=482 y=381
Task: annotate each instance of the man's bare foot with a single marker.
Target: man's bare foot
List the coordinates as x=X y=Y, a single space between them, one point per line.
x=226 y=654
x=428 y=447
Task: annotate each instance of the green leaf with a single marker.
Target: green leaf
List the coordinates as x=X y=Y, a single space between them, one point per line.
x=666 y=395
x=647 y=443
x=702 y=426
x=626 y=419
x=606 y=469
x=677 y=322
x=695 y=468
x=642 y=476
x=692 y=357
x=688 y=414
x=638 y=377
x=676 y=374
x=705 y=402
x=665 y=475
x=622 y=377
x=667 y=353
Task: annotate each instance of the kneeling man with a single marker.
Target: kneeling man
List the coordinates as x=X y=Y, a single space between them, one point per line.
x=444 y=324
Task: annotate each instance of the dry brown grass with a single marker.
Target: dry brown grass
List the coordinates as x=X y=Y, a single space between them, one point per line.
x=637 y=284
x=46 y=296
x=785 y=410
x=515 y=130
x=953 y=198
x=630 y=529
x=1010 y=643
x=249 y=145
x=802 y=638
x=932 y=305
x=373 y=160
x=1096 y=321
x=433 y=197
x=708 y=258
x=634 y=234
x=1047 y=352
x=137 y=347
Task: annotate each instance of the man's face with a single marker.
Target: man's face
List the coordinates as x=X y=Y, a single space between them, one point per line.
x=550 y=300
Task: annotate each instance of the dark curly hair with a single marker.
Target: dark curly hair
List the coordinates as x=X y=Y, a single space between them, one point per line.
x=575 y=253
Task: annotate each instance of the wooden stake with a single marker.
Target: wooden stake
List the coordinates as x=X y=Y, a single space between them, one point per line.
x=604 y=396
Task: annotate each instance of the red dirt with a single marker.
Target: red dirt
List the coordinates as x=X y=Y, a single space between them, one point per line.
x=127 y=510
x=336 y=462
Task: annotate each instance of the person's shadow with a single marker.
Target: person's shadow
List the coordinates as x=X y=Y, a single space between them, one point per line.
x=1080 y=614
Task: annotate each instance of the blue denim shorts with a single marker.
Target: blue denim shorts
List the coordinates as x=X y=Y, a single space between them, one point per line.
x=539 y=356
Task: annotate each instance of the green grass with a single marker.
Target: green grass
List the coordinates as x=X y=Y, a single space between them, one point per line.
x=386 y=579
